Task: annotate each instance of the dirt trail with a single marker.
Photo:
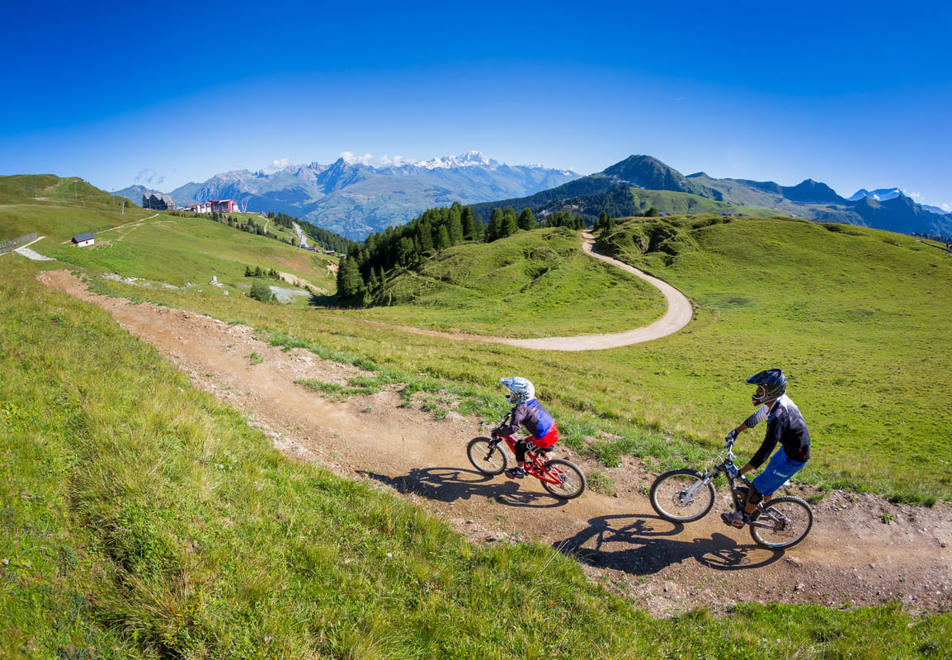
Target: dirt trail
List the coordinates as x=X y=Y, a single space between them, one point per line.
x=850 y=558
x=679 y=314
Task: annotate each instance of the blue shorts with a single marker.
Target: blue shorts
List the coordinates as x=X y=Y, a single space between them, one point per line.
x=780 y=468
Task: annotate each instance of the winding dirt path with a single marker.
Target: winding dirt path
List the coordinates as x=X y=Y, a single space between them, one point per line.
x=679 y=314
x=850 y=558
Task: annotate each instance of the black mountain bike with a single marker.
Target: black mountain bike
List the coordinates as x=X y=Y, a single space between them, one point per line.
x=687 y=495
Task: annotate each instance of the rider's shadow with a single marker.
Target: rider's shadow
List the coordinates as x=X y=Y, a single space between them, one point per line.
x=643 y=545
x=446 y=484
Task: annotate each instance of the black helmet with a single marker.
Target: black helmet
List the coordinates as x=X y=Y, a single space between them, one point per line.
x=772 y=384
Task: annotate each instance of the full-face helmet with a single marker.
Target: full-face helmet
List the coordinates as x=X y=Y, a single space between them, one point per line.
x=520 y=389
x=771 y=384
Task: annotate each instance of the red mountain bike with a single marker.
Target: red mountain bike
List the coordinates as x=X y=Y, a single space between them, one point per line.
x=561 y=478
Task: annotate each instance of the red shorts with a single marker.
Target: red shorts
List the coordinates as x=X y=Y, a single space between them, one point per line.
x=548 y=439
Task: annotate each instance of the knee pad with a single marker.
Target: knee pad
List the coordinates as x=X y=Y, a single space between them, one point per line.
x=755 y=495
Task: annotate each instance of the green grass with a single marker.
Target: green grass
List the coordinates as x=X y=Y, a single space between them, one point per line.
x=528 y=285
x=854 y=316
x=143 y=518
x=679 y=203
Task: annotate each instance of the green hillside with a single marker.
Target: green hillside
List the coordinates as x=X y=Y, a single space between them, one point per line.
x=629 y=201
x=856 y=316
x=59 y=208
x=143 y=518
x=530 y=284
x=146 y=519
x=158 y=248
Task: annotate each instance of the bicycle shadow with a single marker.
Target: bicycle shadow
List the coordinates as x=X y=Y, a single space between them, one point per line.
x=446 y=484
x=643 y=545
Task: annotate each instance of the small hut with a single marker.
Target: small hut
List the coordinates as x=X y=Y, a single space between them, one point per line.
x=82 y=240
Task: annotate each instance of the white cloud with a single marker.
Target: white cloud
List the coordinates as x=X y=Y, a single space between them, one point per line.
x=279 y=164
x=946 y=207
x=149 y=177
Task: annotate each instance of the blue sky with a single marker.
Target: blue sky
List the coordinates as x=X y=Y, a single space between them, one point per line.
x=854 y=94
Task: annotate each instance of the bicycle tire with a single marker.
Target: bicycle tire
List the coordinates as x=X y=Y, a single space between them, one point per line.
x=666 y=496
x=795 y=522
x=573 y=482
x=487 y=457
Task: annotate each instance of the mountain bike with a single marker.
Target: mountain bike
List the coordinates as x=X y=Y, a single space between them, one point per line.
x=686 y=495
x=562 y=478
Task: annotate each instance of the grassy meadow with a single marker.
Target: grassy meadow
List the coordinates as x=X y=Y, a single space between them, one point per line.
x=531 y=285
x=143 y=518
x=854 y=316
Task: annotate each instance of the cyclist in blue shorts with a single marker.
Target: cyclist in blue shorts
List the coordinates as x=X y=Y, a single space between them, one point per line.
x=784 y=425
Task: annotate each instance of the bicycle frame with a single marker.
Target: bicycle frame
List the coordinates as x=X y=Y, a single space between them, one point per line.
x=738 y=492
x=535 y=459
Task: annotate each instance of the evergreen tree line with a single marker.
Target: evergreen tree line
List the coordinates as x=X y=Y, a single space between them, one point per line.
x=364 y=271
x=258 y=271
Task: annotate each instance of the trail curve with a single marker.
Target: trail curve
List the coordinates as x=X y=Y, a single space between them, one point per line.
x=679 y=314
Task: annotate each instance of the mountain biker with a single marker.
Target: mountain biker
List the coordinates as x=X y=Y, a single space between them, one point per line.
x=528 y=413
x=784 y=425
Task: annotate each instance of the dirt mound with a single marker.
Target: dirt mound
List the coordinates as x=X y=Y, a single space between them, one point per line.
x=852 y=557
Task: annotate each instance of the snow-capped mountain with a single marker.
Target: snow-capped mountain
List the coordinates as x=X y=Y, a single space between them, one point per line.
x=357 y=195
x=880 y=195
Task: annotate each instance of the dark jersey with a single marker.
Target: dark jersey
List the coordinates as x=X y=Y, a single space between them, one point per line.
x=785 y=425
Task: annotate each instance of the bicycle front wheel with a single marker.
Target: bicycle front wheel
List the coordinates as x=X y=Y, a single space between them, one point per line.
x=487 y=456
x=784 y=522
x=570 y=479
x=682 y=496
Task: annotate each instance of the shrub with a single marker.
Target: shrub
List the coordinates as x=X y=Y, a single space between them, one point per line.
x=261 y=291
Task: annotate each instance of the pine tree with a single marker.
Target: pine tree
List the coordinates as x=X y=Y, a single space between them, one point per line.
x=349 y=282
x=509 y=225
x=527 y=220
x=495 y=225
x=469 y=224
x=455 y=224
x=442 y=240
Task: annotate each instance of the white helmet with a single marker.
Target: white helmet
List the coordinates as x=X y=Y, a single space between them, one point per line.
x=520 y=389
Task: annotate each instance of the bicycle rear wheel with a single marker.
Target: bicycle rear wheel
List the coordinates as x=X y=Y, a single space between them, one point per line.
x=571 y=479
x=487 y=456
x=682 y=496
x=784 y=522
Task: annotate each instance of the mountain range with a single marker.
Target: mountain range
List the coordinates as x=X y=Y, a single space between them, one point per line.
x=353 y=198
x=636 y=184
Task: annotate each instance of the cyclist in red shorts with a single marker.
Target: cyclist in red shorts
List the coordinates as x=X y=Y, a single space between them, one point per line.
x=528 y=413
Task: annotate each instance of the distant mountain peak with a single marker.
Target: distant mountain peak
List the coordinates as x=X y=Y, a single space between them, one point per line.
x=469 y=159
x=880 y=194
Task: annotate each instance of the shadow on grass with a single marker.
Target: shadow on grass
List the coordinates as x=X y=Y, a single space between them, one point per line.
x=445 y=484
x=643 y=545
x=322 y=301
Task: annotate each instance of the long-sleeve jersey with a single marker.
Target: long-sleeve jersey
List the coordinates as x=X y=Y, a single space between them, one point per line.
x=531 y=414
x=785 y=425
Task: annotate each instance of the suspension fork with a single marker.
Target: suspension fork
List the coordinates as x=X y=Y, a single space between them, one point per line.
x=698 y=485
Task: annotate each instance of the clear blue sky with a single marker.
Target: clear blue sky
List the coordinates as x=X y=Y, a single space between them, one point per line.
x=852 y=94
